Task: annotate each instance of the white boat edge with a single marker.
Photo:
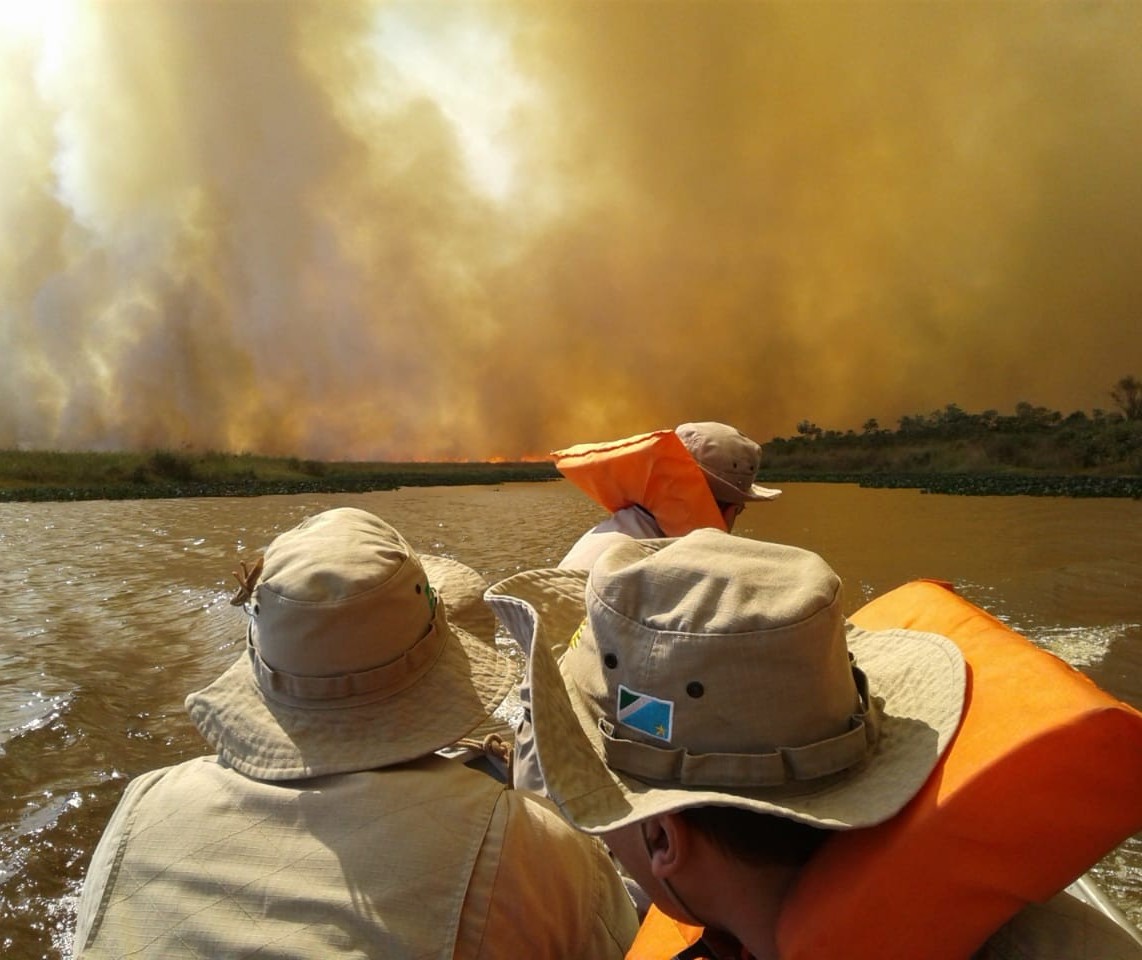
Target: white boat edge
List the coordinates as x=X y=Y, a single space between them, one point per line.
x=1089 y=892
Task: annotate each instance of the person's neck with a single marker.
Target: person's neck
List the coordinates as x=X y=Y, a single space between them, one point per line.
x=746 y=902
x=752 y=914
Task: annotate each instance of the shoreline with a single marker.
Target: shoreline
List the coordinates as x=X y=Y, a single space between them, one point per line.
x=54 y=476
x=951 y=484
x=978 y=484
x=309 y=478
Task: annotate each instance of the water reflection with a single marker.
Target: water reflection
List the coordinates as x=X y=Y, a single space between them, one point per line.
x=112 y=612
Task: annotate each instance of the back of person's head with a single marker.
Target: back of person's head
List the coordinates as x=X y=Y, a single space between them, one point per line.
x=715 y=670
x=729 y=459
x=359 y=654
x=757 y=839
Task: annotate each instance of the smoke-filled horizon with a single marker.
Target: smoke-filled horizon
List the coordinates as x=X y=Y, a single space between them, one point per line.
x=476 y=230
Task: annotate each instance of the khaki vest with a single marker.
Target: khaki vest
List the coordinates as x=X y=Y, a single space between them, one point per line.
x=424 y=860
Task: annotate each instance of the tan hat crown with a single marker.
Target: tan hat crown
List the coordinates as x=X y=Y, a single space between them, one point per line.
x=343 y=609
x=359 y=654
x=729 y=459
x=714 y=667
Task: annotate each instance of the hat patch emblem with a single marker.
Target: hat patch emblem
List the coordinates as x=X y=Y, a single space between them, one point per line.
x=647 y=714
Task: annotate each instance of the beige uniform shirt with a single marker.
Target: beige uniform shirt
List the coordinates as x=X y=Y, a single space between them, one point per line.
x=425 y=860
x=629 y=523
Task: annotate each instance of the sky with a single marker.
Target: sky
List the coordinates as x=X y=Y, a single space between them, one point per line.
x=445 y=230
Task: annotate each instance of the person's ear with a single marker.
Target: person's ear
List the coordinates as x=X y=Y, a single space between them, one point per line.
x=668 y=839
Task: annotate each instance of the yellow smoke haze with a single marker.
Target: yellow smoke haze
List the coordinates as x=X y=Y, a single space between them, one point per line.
x=445 y=230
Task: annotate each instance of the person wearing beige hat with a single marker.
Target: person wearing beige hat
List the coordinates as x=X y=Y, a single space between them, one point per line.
x=728 y=461
x=327 y=822
x=703 y=705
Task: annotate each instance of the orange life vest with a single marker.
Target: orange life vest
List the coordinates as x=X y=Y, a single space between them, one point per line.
x=1043 y=778
x=661 y=937
x=653 y=470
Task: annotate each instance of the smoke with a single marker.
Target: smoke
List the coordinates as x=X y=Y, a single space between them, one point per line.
x=356 y=231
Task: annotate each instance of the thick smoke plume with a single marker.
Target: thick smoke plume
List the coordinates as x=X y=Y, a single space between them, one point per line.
x=349 y=231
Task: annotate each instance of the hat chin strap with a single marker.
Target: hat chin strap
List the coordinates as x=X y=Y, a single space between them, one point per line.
x=779 y=767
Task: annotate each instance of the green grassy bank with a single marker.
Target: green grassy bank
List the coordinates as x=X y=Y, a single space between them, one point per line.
x=53 y=475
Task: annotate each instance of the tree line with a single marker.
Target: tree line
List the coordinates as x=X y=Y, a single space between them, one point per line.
x=953 y=440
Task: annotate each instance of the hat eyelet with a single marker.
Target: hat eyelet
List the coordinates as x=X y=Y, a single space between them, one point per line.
x=255 y=609
x=695 y=689
x=418 y=590
x=610 y=661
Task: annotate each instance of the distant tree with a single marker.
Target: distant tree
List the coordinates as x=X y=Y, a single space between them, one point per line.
x=1127 y=396
x=870 y=426
x=808 y=429
x=953 y=413
x=913 y=424
x=1030 y=415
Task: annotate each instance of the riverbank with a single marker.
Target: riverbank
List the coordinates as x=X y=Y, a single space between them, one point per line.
x=59 y=476
x=1035 y=452
x=975 y=484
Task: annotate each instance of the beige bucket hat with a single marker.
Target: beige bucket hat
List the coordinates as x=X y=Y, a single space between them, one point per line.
x=728 y=458
x=714 y=669
x=353 y=657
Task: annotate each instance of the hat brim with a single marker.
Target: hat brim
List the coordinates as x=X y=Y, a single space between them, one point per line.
x=462 y=590
x=726 y=492
x=920 y=677
x=268 y=740
x=758 y=492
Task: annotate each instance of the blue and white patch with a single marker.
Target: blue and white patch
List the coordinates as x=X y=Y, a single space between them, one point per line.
x=645 y=713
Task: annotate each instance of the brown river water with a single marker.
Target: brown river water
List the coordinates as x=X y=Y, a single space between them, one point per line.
x=111 y=612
